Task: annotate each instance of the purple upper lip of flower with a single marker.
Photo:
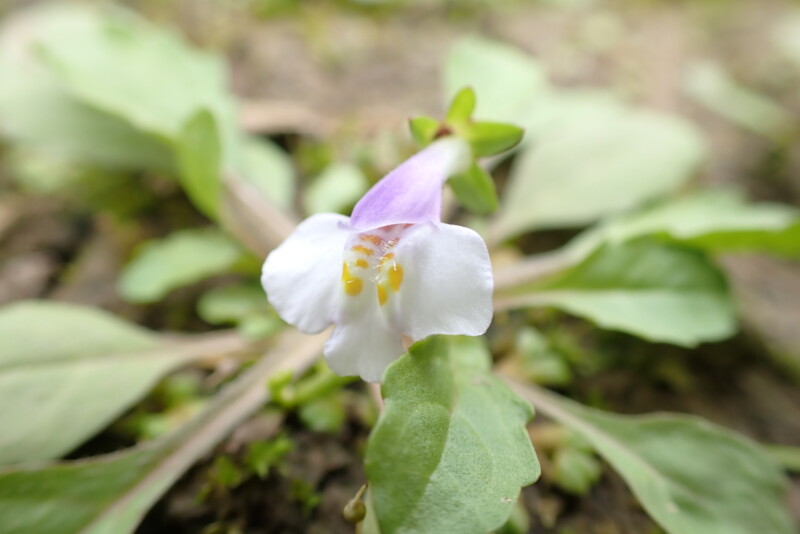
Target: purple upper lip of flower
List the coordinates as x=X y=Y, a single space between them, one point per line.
x=411 y=193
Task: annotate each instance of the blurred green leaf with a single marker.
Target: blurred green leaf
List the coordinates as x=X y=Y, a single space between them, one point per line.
x=461 y=107
x=324 y=414
x=267 y=167
x=255 y=327
x=338 y=188
x=518 y=523
x=786 y=456
x=232 y=303
x=263 y=455
x=423 y=130
x=506 y=80
x=66 y=372
x=40 y=172
x=655 y=291
x=224 y=474
x=691 y=476
x=711 y=86
x=65 y=499
x=114 y=61
x=558 y=108
x=576 y=470
x=714 y=220
x=182 y=258
x=535 y=360
x=475 y=190
x=490 y=138
x=450 y=450
x=90 y=187
x=584 y=171
x=36 y=110
x=244 y=305
x=199 y=158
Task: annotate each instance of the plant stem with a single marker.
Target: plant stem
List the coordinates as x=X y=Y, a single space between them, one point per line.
x=530 y=269
x=252 y=219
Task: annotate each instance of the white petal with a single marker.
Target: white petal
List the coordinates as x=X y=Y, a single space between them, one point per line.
x=364 y=346
x=301 y=277
x=447 y=282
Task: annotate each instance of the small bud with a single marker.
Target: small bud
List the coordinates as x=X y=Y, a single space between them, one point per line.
x=354 y=512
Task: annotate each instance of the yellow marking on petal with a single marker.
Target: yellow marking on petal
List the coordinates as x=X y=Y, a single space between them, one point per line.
x=362 y=249
x=375 y=240
x=385 y=258
x=361 y=263
x=352 y=284
x=383 y=296
x=395 y=277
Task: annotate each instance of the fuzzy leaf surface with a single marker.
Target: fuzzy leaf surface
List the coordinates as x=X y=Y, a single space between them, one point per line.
x=450 y=451
x=67 y=371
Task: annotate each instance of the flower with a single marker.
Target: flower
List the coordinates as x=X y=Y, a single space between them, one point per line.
x=391 y=271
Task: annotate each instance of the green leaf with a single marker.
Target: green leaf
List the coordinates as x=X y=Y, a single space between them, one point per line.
x=559 y=107
x=691 y=476
x=711 y=86
x=583 y=171
x=113 y=60
x=63 y=362
x=575 y=470
x=423 y=130
x=536 y=360
x=506 y=80
x=786 y=456
x=267 y=167
x=182 y=258
x=324 y=414
x=475 y=190
x=263 y=455
x=36 y=110
x=461 y=107
x=110 y=494
x=64 y=499
x=450 y=450
x=658 y=292
x=199 y=158
x=232 y=303
x=490 y=138
x=714 y=220
x=243 y=305
x=338 y=188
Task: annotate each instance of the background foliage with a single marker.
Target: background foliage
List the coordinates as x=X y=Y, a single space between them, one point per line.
x=152 y=157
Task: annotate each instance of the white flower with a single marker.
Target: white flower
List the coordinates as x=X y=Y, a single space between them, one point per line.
x=390 y=271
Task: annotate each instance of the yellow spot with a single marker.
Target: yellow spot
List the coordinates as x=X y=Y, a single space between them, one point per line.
x=364 y=250
x=362 y=263
x=352 y=284
x=385 y=258
x=382 y=295
x=375 y=240
x=395 y=276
